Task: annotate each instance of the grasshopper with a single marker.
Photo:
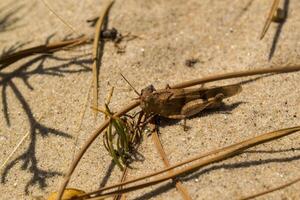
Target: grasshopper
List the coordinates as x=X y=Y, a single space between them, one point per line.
x=183 y=103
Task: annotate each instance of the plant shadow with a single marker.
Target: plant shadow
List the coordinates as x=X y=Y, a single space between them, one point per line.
x=23 y=72
x=11 y=14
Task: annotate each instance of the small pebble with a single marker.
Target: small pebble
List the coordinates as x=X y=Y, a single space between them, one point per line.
x=3 y=138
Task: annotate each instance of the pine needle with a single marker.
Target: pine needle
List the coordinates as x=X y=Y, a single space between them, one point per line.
x=16 y=148
x=183 y=191
x=59 y=17
x=96 y=53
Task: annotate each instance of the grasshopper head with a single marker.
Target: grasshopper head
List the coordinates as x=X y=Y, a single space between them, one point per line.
x=147 y=91
x=147 y=97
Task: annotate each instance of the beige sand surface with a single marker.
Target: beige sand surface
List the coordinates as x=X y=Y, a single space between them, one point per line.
x=46 y=99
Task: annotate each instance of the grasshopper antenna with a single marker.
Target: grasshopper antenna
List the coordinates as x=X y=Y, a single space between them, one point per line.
x=130 y=85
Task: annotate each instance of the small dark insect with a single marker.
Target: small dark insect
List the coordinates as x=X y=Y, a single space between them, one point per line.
x=111 y=34
x=114 y=36
x=191 y=62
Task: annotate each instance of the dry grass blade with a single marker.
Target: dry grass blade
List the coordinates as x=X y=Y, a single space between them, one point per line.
x=96 y=61
x=136 y=103
x=16 y=148
x=272 y=189
x=209 y=158
x=121 y=136
x=230 y=75
x=6 y=60
x=123 y=179
x=269 y=18
x=70 y=193
x=60 y=18
x=183 y=191
x=89 y=142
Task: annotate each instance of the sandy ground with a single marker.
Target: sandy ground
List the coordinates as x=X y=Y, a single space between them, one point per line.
x=45 y=100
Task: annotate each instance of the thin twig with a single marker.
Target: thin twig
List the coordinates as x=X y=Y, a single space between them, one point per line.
x=136 y=103
x=89 y=142
x=87 y=95
x=272 y=189
x=183 y=191
x=209 y=158
x=269 y=18
x=82 y=113
x=237 y=74
x=6 y=60
x=96 y=53
x=123 y=179
x=59 y=17
x=16 y=147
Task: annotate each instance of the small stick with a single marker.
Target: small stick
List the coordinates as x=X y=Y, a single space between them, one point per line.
x=16 y=147
x=272 y=189
x=269 y=18
x=41 y=49
x=60 y=18
x=183 y=191
x=88 y=143
x=123 y=179
x=230 y=75
x=136 y=103
x=87 y=95
x=209 y=158
x=96 y=62
x=82 y=113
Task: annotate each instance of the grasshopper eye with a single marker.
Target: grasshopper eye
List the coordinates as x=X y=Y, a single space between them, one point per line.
x=151 y=88
x=148 y=89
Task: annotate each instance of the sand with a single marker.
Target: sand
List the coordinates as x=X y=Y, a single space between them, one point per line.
x=47 y=99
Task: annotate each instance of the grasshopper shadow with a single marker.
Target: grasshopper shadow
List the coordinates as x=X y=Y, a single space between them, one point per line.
x=223 y=109
x=23 y=72
x=168 y=186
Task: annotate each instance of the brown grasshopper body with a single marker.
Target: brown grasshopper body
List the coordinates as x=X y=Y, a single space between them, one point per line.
x=183 y=103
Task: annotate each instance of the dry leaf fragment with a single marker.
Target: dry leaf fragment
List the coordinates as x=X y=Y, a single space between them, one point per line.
x=69 y=194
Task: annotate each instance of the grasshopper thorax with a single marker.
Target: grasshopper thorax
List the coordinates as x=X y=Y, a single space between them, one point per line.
x=147 y=91
x=147 y=97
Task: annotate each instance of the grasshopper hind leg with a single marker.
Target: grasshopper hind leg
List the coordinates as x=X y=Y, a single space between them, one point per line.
x=196 y=106
x=193 y=107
